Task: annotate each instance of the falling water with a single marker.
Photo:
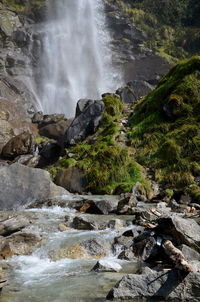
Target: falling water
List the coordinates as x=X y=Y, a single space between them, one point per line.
x=77 y=61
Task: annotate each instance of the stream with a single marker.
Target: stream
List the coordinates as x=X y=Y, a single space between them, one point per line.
x=37 y=277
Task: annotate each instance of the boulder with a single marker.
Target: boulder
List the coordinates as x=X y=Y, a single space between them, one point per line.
x=87 y=249
x=127 y=255
x=13 y=224
x=183 y=231
x=19 y=145
x=49 y=153
x=72 y=179
x=106 y=266
x=168 y=286
x=134 y=90
x=20 y=243
x=21 y=185
x=85 y=123
x=103 y=206
x=83 y=223
x=55 y=131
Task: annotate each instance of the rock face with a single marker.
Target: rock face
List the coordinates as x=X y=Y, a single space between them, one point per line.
x=20 y=185
x=13 y=122
x=86 y=122
x=171 y=285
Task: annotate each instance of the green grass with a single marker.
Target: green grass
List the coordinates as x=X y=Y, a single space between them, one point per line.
x=106 y=164
x=170 y=146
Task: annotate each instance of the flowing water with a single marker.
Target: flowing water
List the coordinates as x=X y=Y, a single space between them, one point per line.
x=77 y=60
x=37 y=277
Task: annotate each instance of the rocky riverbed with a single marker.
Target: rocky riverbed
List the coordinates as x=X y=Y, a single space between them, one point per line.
x=82 y=249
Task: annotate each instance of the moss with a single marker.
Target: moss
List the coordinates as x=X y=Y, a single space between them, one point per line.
x=169 y=142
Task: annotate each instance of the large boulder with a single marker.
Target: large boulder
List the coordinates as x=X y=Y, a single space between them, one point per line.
x=19 y=145
x=183 y=231
x=21 y=185
x=171 y=285
x=72 y=179
x=85 y=123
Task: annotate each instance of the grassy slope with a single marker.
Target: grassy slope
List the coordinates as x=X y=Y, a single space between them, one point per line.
x=106 y=164
x=170 y=146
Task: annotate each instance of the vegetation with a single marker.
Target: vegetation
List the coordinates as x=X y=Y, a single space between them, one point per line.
x=172 y=26
x=106 y=164
x=165 y=126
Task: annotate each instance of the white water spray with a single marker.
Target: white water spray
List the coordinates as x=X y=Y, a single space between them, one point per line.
x=77 y=60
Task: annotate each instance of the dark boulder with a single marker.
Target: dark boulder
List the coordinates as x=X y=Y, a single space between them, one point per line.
x=85 y=123
x=133 y=91
x=49 y=154
x=55 y=130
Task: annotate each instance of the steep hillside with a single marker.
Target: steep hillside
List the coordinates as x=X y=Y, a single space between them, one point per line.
x=165 y=127
x=172 y=27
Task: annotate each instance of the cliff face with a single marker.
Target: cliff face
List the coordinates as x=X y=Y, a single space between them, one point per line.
x=171 y=28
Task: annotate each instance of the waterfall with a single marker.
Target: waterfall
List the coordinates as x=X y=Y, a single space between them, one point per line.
x=76 y=61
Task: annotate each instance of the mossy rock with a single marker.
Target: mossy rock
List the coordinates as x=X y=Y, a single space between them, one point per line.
x=165 y=126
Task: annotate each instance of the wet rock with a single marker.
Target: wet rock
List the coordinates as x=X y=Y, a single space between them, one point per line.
x=24 y=243
x=183 y=231
x=72 y=179
x=92 y=248
x=18 y=145
x=20 y=243
x=127 y=255
x=85 y=123
x=63 y=227
x=21 y=185
x=95 y=247
x=106 y=266
x=83 y=223
x=103 y=206
x=13 y=224
x=170 y=285
x=116 y=224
